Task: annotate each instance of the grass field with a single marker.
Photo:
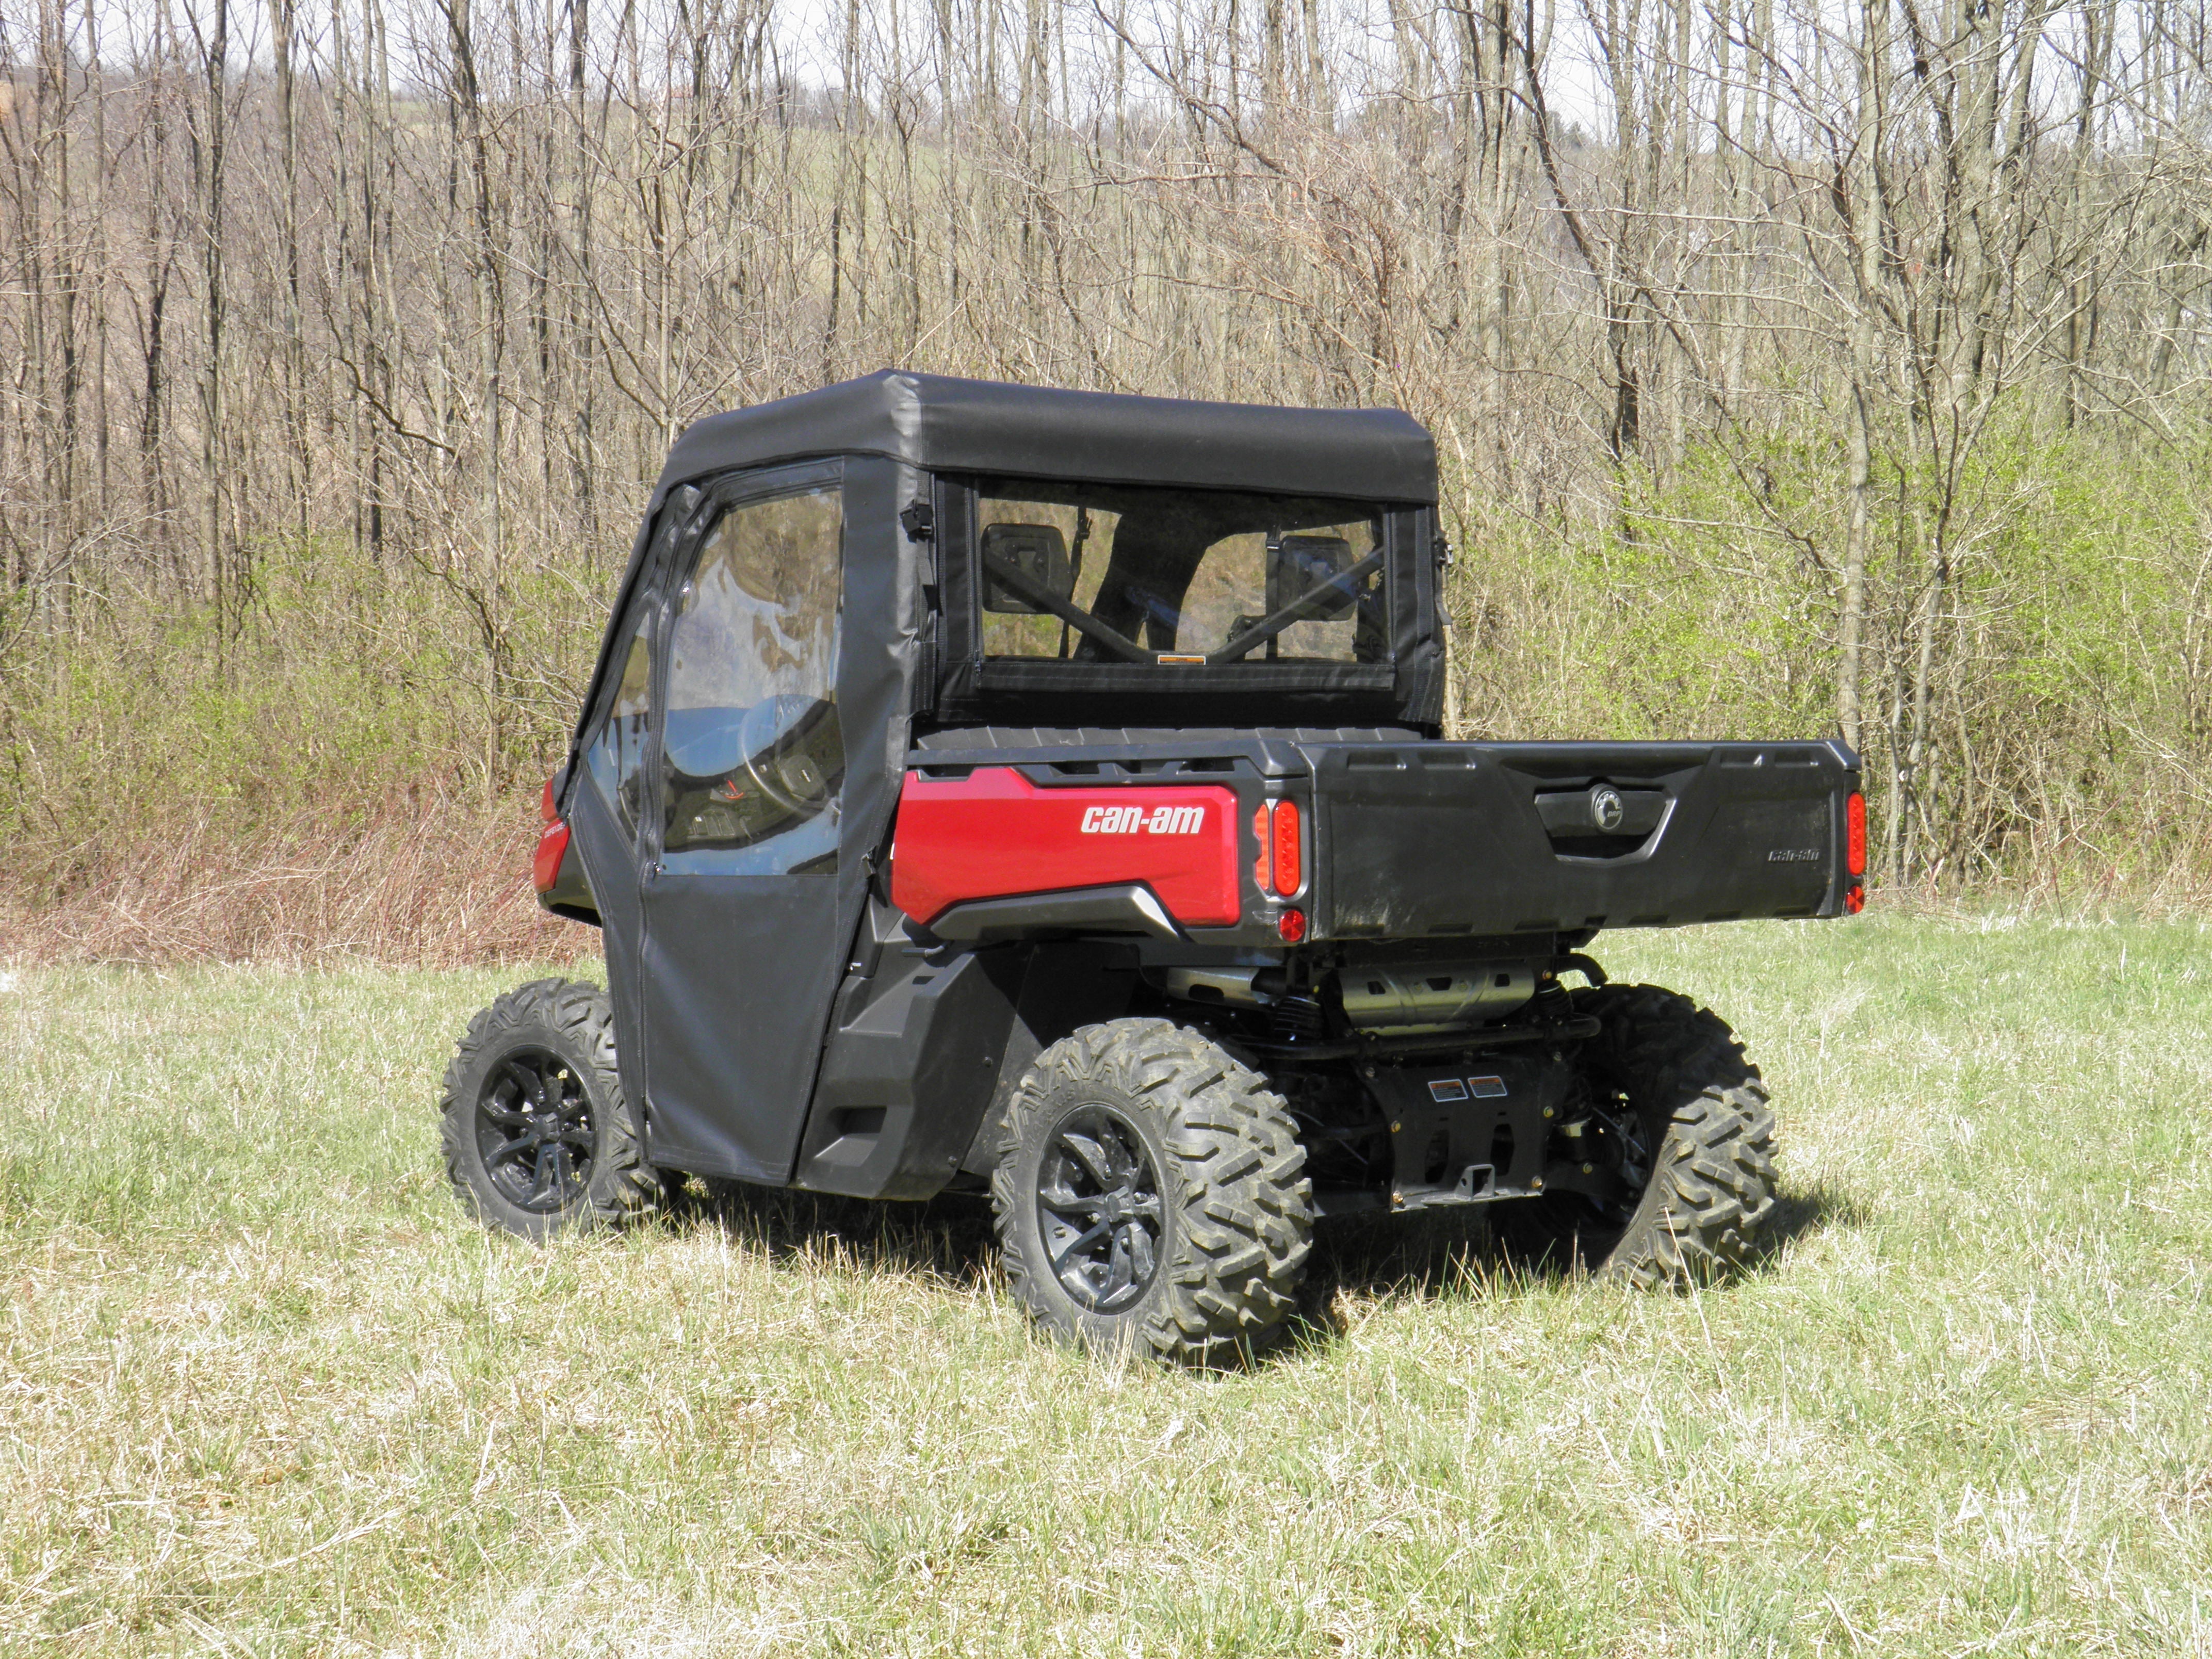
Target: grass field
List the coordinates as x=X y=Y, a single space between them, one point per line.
x=263 y=1389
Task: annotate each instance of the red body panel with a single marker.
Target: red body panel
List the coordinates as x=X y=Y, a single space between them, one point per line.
x=994 y=834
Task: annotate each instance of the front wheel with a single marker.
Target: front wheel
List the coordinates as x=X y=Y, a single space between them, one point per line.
x=1684 y=1118
x=538 y=1137
x=1151 y=1197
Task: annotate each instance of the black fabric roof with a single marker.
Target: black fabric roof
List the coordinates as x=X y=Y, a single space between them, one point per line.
x=949 y=425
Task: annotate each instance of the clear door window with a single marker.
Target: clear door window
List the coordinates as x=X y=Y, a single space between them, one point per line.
x=616 y=756
x=752 y=757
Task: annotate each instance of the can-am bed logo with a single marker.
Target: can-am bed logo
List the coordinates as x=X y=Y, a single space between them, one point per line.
x=1138 y=820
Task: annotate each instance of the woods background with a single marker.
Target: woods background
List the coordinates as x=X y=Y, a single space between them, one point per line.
x=1797 y=365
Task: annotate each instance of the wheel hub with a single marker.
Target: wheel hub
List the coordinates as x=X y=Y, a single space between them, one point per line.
x=534 y=1130
x=1615 y=1141
x=1099 y=1209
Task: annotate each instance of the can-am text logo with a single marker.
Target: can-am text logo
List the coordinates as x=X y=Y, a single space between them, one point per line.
x=1136 y=820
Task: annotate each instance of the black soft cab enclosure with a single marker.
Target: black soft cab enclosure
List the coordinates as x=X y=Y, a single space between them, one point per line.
x=997 y=788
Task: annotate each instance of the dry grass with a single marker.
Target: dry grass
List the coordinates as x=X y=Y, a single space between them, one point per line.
x=263 y=1390
x=436 y=882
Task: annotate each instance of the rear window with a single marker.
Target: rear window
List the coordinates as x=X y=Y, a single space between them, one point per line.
x=1102 y=573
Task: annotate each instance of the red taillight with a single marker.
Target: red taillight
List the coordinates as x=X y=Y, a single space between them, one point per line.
x=1855 y=835
x=1854 y=899
x=1289 y=863
x=1292 y=925
x=552 y=842
x=1260 y=835
x=552 y=847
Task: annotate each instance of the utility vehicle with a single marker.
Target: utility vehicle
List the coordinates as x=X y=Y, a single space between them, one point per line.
x=990 y=786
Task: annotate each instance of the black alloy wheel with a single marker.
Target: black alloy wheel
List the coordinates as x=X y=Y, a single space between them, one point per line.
x=1150 y=1196
x=1686 y=1115
x=538 y=1137
x=534 y=1131
x=1098 y=1209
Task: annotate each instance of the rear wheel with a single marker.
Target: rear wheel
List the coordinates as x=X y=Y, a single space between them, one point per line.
x=1150 y=1196
x=537 y=1134
x=1682 y=1118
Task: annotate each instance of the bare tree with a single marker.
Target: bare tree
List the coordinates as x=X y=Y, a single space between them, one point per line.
x=1782 y=316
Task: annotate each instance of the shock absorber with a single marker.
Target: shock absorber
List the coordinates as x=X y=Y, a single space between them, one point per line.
x=1299 y=1016
x=1299 y=1019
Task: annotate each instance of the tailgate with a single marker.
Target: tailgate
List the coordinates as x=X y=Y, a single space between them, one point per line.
x=1489 y=838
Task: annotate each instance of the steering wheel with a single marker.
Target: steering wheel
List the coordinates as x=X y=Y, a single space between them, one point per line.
x=782 y=769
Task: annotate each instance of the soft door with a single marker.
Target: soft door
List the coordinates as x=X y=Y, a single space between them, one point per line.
x=742 y=941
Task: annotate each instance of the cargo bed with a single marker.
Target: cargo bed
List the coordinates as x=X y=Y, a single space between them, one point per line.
x=1411 y=838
